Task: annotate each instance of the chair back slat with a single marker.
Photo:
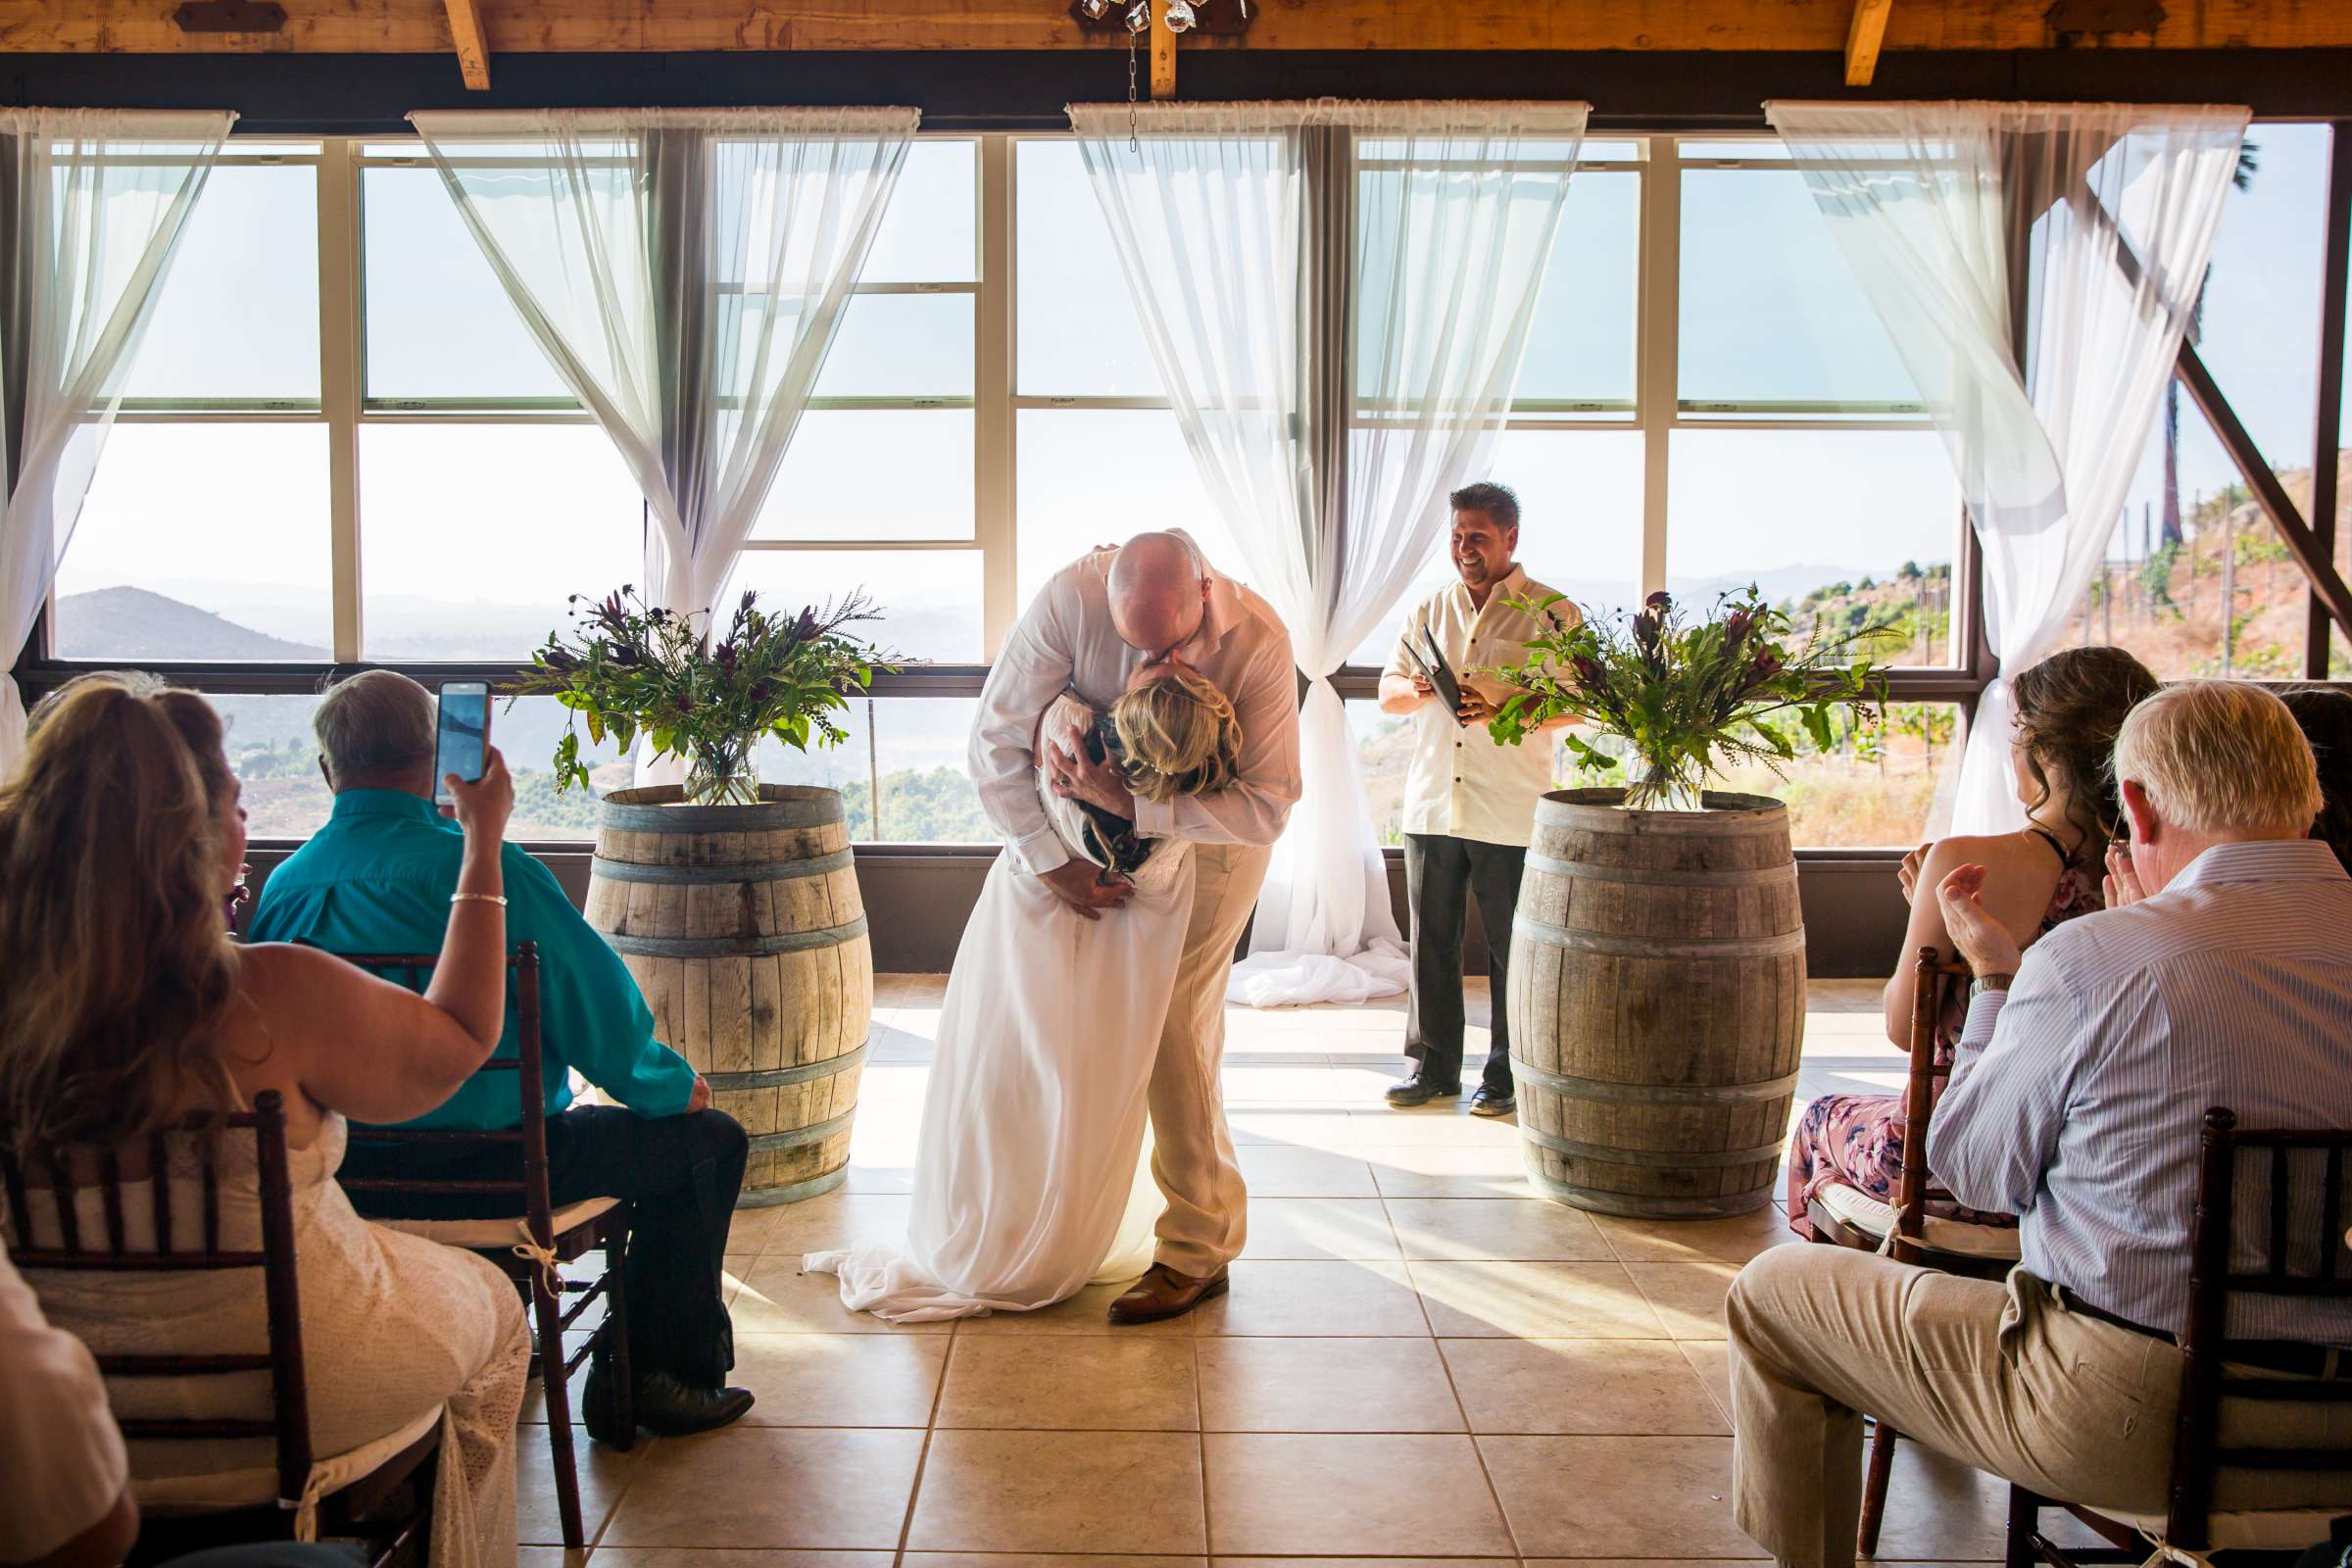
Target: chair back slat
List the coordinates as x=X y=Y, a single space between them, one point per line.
x=288 y=1424
x=2331 y=1211
x=19 y=1214
x=1931 y=972
x=110 y=1191
x=159 y=1188
x=2277 y=1239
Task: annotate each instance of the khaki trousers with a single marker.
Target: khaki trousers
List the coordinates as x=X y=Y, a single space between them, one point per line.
x=2000 y=1376
x=1207 y=1219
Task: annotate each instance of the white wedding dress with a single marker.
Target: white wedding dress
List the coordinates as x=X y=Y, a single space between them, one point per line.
x=1030 y=1177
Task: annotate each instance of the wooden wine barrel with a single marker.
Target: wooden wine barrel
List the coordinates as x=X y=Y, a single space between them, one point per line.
x=744 y=927
x=1657 y=1004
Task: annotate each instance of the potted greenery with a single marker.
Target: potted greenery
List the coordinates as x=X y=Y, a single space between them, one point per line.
x=1688 y=695
x=1657 y=963
x=630 y=669
x=735 y=904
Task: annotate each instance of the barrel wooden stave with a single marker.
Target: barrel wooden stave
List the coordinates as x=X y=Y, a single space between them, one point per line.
x=1658 y=963
x=780 y=1035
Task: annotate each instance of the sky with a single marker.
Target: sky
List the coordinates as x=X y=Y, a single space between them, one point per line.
x=475 y=534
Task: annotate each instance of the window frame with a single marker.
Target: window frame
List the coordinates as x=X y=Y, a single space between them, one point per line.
x=1658 y=158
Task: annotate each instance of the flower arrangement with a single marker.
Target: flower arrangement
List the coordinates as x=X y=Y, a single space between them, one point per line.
x=1688 y=695
x=629 y=668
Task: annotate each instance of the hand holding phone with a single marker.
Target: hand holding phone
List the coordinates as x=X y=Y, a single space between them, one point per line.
x=461 y=735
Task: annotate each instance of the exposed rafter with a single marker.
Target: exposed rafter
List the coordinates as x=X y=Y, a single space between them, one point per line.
x=1163 y=58
x=474 y=49
x=421 y=27
x=1863 y=37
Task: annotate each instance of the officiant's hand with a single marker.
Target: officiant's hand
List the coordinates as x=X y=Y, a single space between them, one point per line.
x=1088 y=888
x=1475 y=709
x=1080 y=777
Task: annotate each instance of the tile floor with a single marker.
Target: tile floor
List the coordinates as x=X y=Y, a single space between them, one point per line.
x=1419 y=1363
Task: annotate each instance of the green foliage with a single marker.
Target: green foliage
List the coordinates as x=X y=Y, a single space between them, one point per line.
x=1685 y=697
x=628 y=669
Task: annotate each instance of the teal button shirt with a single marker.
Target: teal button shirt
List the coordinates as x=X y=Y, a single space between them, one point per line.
x=378 y=878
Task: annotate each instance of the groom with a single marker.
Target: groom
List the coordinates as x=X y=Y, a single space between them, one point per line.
x=1101 y=618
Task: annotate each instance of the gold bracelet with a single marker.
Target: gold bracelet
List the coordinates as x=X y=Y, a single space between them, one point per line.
x=478 y=898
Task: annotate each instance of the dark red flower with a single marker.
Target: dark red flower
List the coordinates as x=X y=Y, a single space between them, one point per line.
x=1661 y=601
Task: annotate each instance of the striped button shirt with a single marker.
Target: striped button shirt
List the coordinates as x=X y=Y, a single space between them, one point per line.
x=2079 y=1112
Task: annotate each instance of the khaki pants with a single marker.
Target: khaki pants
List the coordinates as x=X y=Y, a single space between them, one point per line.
x=2000 y=1376
x=1204 y=1226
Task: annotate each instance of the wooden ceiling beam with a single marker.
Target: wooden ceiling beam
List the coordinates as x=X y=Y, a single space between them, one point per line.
x=1864 y=36
x=422 y=27
x=1163 y=57
x=466 y=35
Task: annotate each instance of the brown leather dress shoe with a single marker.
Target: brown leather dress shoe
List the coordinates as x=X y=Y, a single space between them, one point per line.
x=1162 y=1294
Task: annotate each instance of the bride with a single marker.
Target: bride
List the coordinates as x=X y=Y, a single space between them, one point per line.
x=1030 y=1178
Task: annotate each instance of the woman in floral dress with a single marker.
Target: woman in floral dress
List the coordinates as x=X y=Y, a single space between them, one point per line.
x=2069 y=708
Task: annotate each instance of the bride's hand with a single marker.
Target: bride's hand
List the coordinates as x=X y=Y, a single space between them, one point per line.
x=1081 y=885
x=1078 y=776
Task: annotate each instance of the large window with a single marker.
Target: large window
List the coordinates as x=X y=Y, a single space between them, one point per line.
x=341 y=445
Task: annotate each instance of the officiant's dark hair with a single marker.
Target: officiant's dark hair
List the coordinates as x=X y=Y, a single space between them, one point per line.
x=1497 y=500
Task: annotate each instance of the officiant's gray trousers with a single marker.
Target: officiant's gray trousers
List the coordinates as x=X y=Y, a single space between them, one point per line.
x=1206 y=1221
x=1440 y=874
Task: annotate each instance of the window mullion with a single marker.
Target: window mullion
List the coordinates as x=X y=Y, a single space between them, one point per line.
x=993 y=419
x=1660 y=326
x=341 y=374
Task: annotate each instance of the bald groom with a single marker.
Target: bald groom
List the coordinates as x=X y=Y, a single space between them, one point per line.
x=1092 y=626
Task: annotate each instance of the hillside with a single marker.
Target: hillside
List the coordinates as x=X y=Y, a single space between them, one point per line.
x=132 y=623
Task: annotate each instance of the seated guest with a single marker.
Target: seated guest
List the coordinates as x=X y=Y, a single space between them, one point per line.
x=2219 y=979
x=127 y=1011
x=377 y=878
x=2325 y=716
x=2069 y=708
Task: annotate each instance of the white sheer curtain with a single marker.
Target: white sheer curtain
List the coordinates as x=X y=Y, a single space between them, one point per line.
x=2083 y=230
x=685 y=271
x=92 y=205
x=1338 y=295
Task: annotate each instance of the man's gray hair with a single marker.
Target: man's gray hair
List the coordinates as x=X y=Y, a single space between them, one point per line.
x=2220 y=757
x=377 y=721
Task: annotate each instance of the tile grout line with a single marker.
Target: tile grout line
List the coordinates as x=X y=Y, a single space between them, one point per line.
x=922 y=1458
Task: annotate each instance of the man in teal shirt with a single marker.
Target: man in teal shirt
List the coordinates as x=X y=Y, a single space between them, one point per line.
x=378 y=878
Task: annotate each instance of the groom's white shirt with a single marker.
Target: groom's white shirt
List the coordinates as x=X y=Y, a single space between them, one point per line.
x=1065 y=641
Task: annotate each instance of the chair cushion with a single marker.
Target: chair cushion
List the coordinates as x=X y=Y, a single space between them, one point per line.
x=2278 y=1530
x=230 y=1490
x=483 y=1235
x=1868 y=1214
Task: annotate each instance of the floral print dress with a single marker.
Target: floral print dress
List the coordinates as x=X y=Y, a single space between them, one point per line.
x=1857 y=1140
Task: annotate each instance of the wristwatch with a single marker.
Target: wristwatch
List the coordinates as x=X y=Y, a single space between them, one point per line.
x=1989 y=982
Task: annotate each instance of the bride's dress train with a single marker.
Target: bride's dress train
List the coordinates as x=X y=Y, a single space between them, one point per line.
x=1030 y=1180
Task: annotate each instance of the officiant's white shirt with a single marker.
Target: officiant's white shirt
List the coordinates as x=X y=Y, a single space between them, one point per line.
x=1461 y=783
x=1066 y=642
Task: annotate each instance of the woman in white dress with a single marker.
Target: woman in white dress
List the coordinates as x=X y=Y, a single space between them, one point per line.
x=1030 y=1179
x=128 y=1009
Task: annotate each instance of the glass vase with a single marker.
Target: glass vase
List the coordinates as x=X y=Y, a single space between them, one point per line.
x=722 y=773
x=1664 y=789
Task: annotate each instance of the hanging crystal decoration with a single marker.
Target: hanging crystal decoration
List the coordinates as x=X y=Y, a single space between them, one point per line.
x=1096 y=10
x=1179 y=16
x=1138 y=17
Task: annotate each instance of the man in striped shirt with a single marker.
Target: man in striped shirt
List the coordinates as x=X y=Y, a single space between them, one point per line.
x=2218 y=975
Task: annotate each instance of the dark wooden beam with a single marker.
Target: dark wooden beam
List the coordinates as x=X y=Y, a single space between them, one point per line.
x=2327 y=584
x=2327 y=428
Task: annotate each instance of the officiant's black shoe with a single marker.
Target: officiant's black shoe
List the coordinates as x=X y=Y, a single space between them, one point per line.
x=1492 y=1101
x=1419 y=1091
x=668 y=1408
x=1163 y=1293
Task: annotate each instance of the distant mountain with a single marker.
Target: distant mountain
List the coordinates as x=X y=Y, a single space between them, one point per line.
x=133 y=623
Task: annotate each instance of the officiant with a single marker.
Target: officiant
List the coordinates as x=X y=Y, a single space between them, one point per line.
x=1469 y=800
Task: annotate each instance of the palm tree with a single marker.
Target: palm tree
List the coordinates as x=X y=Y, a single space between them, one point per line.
x=2249 y=160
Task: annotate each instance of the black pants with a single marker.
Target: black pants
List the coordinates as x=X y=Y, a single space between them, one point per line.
x=679 y=1176
x=1441 y=873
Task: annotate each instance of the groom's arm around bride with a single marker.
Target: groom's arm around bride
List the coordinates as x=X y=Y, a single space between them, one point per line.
x=1087 y=628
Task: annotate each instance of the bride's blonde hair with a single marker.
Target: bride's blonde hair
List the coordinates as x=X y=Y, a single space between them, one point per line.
x=1180 y=736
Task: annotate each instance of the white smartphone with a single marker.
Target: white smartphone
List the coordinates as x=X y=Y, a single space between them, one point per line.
x=463 y=734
